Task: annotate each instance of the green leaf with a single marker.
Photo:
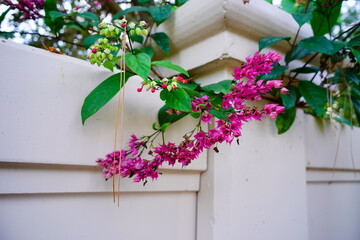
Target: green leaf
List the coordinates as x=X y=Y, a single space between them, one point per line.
x=297 y=53
x=139 y=64
x=89 y=15
x=90 y=40
x=216 y=100
x=274 y=74
x=180 y=2
x=3 y=15
x=154 y=126
x=160 y=14
x=352 y=76
x=164 y=126
x=285 y=120
x=195 y=114
x=101 y=95
x=6 y=35
x=222 y=87
x=164 y=117
x=314 y=95
x=355 y=91
x=356 y=104
x=190 y=85
x=137 y=38
x=302 y=18
x=354 y=42
x=189 y=90
x=84 y=24
x=130 y=10
x=306 y=70
x=56 y=25
x=75 y=26
x=325 y=18
x=55 y=14
x=148 y=50
x=268 y=41
x=356 y=54
x=170 y=65
x=322 y=45
x=177 y=99
x=288 y=5
x=109 y=65
x=163 y=41
x=219 y=115
x=142 y=2
x=289 y=100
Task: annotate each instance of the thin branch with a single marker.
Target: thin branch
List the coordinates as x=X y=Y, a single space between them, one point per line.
x=45 y=36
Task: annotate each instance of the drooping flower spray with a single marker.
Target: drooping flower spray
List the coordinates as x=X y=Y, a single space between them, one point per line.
x=233 y=109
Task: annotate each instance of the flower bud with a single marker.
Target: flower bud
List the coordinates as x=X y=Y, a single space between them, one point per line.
x=132 y=25
x=132 y=32
x=107 y=51
x=110 y=57
x=102 y=25
x=153 y=83
x=284 y=91
x=138 y=31
x=142 y=24
x=145 y=32
x=169 y=88
x=111 y=28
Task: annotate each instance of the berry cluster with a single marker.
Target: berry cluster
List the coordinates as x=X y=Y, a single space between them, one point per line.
x=101 y=51
x=165 y=83
x=104 y=48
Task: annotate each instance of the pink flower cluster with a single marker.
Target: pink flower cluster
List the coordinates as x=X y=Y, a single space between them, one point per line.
x=226 y=130
x=141 y=169
x=29 y=8
x=256 y=65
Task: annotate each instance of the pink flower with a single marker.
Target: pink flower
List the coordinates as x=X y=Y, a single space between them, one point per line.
x=206 y=118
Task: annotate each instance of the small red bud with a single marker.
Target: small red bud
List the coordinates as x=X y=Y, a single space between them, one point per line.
x=164 y=85
x=174 y=87
x=93 y=50
x=139 y=89
x=153 y=90
x=123 y=25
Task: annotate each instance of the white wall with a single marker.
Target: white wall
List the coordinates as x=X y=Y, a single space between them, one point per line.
x=50 y=186
x=269 y=187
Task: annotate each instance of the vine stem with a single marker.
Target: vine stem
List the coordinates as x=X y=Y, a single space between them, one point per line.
x=45 y=36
